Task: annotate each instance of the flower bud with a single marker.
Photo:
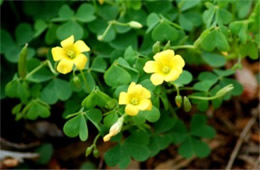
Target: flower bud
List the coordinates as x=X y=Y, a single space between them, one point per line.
x=167 y=46
x=96 y=153
x=22 y=62
x=100 y=37
x=135 y=24
x=224 y=90
x=156 y=47
x=178 y=101
x=88 y=150
x=115 y=129
x=76 y=81
x=187 y=104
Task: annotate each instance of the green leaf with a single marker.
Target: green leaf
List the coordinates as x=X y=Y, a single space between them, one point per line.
x=39 y=27
x=152 y=115
x=120 y=42
x=192 y=146
x=65 y=13
x=17 y=89
x=215 y=38
x=223 y=16
x=45 y=151
x=185 y=78
x=85 y=13
x=110 y=119
x=37 y=109
x=164 y=124
x=187 y=4
x=207 y=76
x=249 y=49
x=99 y=65
x=179 y=132
x=204 y=85
x=112 y=156
x=95 y=116
x=224 y=73
x=55 y=90
x=23 y=33
x=70 y=28
x=152 y=20
x=213 y=59
x=50 y=36
x=164 y=31
x=76 y=126
x=116 y=76
x=7 y=42
x=239 y=28
x=130 y=55
x=200 y=128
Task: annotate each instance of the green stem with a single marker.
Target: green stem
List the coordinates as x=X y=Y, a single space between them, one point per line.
x=51 y=68
x=182 y=46
x=85 y=80
x=95 y=140
x=36 y=69
x=203 y=98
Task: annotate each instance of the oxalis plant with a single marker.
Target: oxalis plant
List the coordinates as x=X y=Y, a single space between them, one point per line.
x=127 y=68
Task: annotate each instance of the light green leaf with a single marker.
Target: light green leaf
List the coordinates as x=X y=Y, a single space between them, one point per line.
x=70 y=28
x=116 y=76
x=185 y=78
x=213 y=59
x=164 y=31
x=85 y=13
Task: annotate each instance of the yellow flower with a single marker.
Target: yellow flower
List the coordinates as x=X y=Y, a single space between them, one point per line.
x=70 y=54
x=166 y=67
x=114 y=129
x=137 y=98
x=101 y=2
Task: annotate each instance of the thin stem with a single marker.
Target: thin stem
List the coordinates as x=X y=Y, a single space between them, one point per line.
x=51 y=68
x=119 y=23
x=182 y=46
x=36 y=69
x=203 y=98
x=95 y=140
x=85 y=80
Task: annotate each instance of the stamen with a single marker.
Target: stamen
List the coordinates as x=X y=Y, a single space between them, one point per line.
x=166 y=70
x=134 y=101
x=71 y=54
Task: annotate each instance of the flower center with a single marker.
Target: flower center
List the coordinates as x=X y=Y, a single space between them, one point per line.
x=166 y=69
x=134 y=101
x=71 y=54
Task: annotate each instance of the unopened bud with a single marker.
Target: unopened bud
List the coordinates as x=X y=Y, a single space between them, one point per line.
x=96 y=153
x=224 y=90
x=135 y=24
x=167 y=46
x=76 y=81
x=187 y=104
x=88 y=150
x=100 y=37
x=178 y=101
x=22 y=62
x=156 y=47
x=115 y=129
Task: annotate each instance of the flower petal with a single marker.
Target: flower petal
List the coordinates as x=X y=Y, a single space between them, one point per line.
x=65 y=66
x=145 y=104
x=164 y=57
x=58 y=53
x=150 y=67
x=145 y=93
x=131 y=87
x=67 y=42
x=81 y=46
x=173 y=75
x=80 y=61
x=123 y=98
x=156 y=79
x=177 y=60
x=131 y=110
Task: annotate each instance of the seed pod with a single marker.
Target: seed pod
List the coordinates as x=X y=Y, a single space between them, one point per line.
x=178 y=101
x=156 y=47
x=167 y=46
x=22 y=62
x=187 y=104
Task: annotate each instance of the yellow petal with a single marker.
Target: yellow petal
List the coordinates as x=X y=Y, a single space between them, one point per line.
x=150 y=67
x=173 y=75
x=68 y=42
x=107 y=138
x=145 y=104
x=131 y=87
x=164 y=57
x=123 y=98
x=80 y=61
x=58 y=53
x=65 y=66
x=145 y=93
x=177 y=60
x=156 y=79
x=131 y=110
x=81 y=46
